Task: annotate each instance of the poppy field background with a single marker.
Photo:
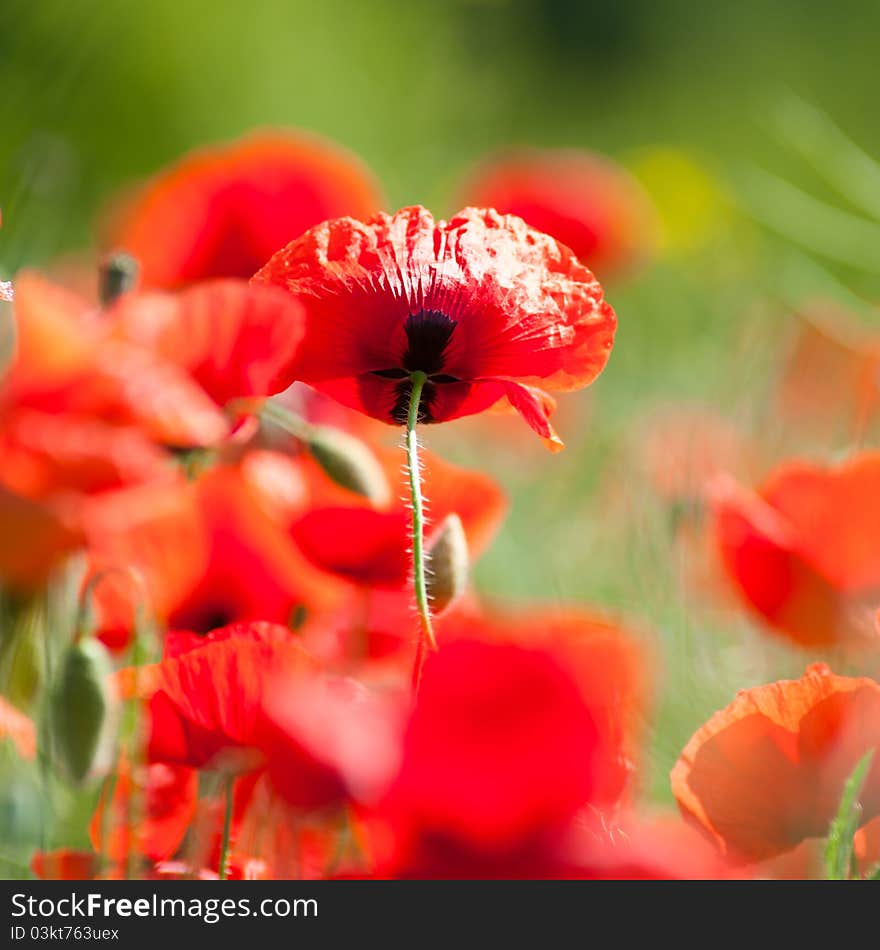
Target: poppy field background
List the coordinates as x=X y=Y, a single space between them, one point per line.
x=740 y=125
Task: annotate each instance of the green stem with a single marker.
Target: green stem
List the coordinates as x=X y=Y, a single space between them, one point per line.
x=227 y=828
x=418 y=517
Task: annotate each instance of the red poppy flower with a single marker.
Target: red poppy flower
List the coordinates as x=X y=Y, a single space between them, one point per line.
x=606 y=660
x=68 y=361
x=499 y=754
x=801 y=550
x=17 y=727
x=205 y=703
x=224 y=210
x=150 y=812
x=584 y=200
x=485 y=306
x=768 y=771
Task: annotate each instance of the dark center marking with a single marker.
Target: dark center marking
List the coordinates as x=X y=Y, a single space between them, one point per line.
x=428 y=333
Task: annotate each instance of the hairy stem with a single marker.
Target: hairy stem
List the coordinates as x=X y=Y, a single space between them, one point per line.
x=426 y=632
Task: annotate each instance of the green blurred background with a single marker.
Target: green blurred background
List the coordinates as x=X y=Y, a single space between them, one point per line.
x=94 y=95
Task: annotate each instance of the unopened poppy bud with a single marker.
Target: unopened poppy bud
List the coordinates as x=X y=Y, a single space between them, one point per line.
x=349 y=463
x=117 y=275
x=79 y=706
x=448 y=564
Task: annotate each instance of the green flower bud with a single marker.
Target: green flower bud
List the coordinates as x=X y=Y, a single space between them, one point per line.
x=348 y=462
x=78 y=707
x=117 y=275
x=448 y=564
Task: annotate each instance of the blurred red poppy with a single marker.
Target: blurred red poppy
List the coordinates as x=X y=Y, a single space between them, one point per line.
x=223 y=211
x=500 y=752
x=802 y=551
x=608 y=662
x=485 y=306
x=68 y=360
x=584 y=200
x=768 y=771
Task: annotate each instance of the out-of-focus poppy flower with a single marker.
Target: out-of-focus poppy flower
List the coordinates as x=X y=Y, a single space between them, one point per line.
x=240 y=564
x=205 y=703
x=500 y=752
x=607 y=661
x=831 y=378
x=17 y=727
x=224 y=210
x=768 y=771
x=65 y=864
x=584 y=200
x=485 y=306
x=148 y=816
x=68 y=361
x=802 y=549
x=369 y=546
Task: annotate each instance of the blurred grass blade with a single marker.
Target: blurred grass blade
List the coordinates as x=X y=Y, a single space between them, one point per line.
x=850 y=171
x=873 y=874
x=810 y=223
x=800 y=279
x=839 y=845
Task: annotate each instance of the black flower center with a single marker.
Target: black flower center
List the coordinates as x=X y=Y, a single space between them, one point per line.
x=428 y=333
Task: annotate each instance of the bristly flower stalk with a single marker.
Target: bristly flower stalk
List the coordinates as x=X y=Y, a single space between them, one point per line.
x=426 y=631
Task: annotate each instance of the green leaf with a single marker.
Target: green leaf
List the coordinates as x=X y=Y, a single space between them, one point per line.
x=839 y=845
x=873 y=874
